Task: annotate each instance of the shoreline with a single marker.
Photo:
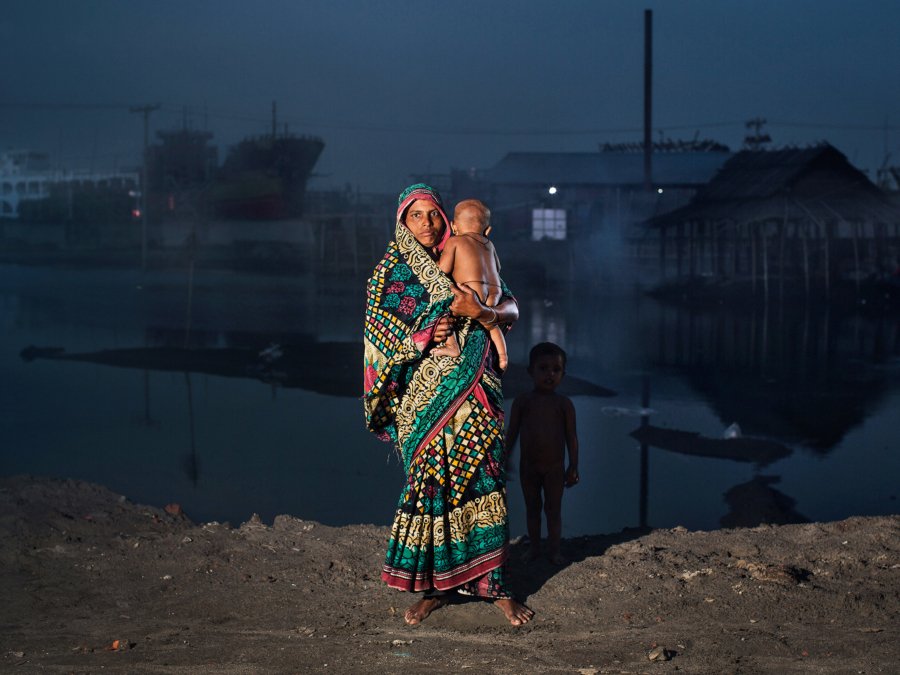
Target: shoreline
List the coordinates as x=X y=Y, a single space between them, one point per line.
x=84 y=568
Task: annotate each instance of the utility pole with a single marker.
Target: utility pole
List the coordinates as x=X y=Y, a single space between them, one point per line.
x=648 y=100
x=759 y=137
x=145 y=110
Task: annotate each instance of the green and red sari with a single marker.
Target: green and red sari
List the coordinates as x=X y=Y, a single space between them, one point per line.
x=444 y=415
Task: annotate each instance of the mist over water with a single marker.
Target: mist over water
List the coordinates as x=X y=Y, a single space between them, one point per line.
x=812 y=392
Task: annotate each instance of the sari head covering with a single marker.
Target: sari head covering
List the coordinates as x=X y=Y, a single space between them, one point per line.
x=425 y=192
x=444 y=415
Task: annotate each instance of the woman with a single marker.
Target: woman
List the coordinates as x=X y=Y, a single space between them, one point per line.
x=444 y=414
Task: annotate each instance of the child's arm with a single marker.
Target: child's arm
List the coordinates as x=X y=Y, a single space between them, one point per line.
x=571 y=442
x=448 y=255
x=515 y=421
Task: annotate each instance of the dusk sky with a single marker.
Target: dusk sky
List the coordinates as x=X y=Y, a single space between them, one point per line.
x=401 y=87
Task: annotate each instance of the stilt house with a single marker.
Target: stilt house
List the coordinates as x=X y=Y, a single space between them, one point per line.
x=801 y=219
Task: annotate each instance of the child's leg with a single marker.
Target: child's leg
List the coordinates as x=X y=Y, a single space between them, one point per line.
x=531 y=490
x=500 y=345
x=554 y=485
x=449 y=347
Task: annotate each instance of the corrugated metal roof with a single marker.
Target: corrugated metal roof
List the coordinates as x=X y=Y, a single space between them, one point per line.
x=605 y=168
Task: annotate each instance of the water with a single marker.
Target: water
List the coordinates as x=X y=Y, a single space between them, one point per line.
x=815 y=393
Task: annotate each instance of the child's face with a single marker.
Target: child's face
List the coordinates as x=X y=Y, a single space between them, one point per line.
x=547 y=372
x=469 y=220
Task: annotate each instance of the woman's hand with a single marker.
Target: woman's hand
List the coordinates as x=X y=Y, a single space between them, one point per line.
x=466 y=303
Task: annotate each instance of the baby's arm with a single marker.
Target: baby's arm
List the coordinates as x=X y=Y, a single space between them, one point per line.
x=571 y=442
x=448 y=257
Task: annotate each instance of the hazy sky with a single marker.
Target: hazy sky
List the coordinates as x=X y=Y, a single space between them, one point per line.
x=400 y=87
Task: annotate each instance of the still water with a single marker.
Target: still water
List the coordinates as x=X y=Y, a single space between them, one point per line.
x=815 y=395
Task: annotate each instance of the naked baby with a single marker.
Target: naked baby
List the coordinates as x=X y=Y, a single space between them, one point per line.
x=470 y=259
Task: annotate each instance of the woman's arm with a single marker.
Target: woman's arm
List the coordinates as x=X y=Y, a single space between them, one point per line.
x=466 y=303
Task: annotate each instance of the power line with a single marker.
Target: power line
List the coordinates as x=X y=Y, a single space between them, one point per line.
x=451 y=131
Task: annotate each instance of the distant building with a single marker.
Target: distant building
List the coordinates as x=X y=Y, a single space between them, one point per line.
x=52 y=208
x=26 y=176
x=781 y=216
x=579 y=213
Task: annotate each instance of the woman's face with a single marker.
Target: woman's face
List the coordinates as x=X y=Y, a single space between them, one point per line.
x=425 y=222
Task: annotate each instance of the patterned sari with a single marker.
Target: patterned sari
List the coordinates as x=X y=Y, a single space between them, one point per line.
x=445 y=417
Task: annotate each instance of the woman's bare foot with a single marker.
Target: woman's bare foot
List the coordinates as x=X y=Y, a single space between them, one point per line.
x=516 y=612
x=420 y=610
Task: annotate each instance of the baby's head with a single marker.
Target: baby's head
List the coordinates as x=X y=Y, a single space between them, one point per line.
x=471 y=215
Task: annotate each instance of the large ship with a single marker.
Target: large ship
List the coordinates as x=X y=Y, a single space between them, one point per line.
x=262 y=177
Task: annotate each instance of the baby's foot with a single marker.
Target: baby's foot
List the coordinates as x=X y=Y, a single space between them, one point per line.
x=450 y=347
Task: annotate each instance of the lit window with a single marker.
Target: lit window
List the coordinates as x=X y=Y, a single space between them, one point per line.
x=548 y=224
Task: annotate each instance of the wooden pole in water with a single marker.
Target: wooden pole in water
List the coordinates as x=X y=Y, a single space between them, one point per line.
x=803 y=235
x=145 y=110
x=765 y=260
x=782 y=235
x=752 y=236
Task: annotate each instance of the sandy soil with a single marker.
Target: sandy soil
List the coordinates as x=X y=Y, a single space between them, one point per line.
x=91 y=582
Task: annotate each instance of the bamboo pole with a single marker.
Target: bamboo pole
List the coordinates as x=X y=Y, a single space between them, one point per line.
x=765 y=260
x=782 y=262
x=804 y=238
x=752 y=238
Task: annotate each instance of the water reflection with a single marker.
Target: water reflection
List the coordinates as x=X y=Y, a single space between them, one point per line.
x=809 y=376
x=126 y=404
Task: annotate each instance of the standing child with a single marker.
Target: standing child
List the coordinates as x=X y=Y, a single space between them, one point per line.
x=545 y=422
x=471 y=260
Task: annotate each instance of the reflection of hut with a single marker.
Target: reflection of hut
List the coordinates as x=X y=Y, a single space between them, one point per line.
x=799 y=377
x=770 y=217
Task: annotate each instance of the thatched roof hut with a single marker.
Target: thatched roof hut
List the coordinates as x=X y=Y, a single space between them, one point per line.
x=794 y=213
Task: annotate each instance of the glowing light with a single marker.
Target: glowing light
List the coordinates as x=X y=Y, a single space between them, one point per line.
x=136 y=213
x=552 y=190
x=659 y=191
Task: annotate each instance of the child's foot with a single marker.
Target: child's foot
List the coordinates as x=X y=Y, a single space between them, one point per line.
x=516 y=612
x=557 y=559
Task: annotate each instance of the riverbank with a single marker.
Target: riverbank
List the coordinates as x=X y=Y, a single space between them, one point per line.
x=92 y=581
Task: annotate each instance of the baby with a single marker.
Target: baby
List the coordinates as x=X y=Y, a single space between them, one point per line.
x=471 y=260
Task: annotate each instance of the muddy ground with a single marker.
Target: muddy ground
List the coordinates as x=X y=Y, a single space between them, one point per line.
x=92 y=582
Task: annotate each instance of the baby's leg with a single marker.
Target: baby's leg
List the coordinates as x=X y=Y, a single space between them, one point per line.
x=500 y=345
x=449 y=347
x=554 y=486
x=531 y=490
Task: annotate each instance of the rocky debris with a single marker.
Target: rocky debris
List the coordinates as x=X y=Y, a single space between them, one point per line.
x=659 y=653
